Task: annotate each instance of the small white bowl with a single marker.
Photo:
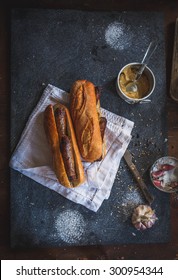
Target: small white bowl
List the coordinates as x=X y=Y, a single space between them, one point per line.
x=151 y=79
x=164 y=174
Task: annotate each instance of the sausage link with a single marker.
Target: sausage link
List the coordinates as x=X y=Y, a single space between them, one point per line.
x=60 y=119
x=102 y=123
x=68 y=157
x=97 y=93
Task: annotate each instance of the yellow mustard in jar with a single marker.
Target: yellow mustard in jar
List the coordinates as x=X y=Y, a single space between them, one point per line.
x=127 y=76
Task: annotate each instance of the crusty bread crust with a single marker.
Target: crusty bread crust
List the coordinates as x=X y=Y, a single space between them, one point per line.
x=86 y=120
x=54 y=143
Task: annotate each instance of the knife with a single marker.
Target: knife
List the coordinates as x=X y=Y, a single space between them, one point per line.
x=138 y=178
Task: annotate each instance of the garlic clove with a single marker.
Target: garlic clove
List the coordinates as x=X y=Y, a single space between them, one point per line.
x=143 y=217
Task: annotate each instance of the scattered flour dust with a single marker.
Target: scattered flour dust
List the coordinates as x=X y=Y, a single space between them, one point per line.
x=70 y=226
x=118 y=35
x=128 y=203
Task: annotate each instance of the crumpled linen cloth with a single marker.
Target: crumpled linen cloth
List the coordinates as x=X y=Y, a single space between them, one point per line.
x=32 y=156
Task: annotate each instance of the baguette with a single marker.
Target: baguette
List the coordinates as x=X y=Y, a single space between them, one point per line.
x=87 y=120
x=61 y=138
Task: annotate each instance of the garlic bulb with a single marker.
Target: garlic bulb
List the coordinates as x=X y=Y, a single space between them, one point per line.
x=143 y=217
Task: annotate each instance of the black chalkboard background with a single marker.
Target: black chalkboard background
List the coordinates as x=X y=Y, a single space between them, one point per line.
x=58 y=47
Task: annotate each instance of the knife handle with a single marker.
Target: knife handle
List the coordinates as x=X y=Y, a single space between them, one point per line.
x=173 y=83
x=141 y=184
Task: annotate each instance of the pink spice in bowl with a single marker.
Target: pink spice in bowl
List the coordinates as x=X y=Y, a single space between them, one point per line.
x=164 y=174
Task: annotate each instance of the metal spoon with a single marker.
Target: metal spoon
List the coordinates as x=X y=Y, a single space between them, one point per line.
x=132 y=86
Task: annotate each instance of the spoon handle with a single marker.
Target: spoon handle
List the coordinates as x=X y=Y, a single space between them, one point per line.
x=150 y=50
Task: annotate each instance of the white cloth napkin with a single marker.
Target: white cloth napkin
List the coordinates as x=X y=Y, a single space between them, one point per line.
x=32 y=156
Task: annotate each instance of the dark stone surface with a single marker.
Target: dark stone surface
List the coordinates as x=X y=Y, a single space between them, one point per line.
x=58 y=47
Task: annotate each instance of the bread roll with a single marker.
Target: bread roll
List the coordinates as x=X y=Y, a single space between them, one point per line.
x=61 y=137
x=85 y=114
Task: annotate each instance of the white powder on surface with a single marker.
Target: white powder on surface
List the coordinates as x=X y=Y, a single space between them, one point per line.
x=118 y=35
x=129 y=202
x=70 y=226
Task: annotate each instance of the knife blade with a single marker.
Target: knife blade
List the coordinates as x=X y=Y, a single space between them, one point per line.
x=128 y=158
